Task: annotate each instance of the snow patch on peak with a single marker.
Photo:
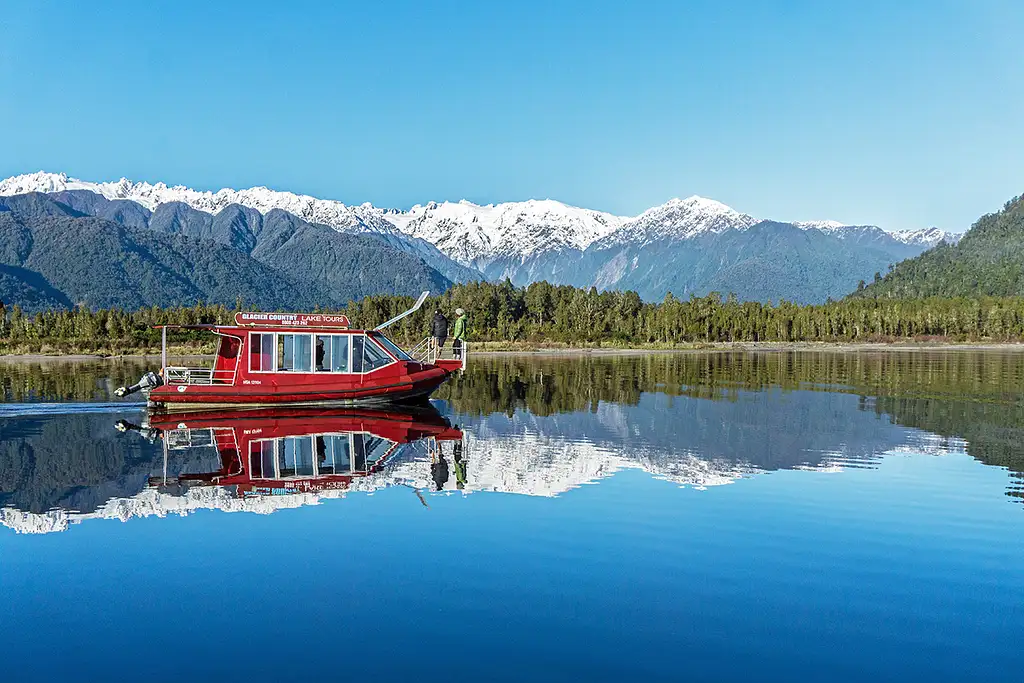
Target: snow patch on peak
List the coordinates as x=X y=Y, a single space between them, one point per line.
x=477 y=235
x=929 y=237
x=680 y=219
x=363 y=218
x=824 y=226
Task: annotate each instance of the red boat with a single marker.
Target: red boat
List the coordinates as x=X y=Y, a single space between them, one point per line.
x=289 y=359
x=294 y=450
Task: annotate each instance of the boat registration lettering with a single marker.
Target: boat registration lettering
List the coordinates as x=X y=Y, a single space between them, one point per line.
x=252 y=381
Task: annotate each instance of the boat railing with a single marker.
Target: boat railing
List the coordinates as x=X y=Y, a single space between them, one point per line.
x=177 y=439
x=427 y=351
x=180 y=375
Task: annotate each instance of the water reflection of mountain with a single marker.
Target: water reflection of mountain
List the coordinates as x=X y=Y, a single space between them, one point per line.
x=974 y=397
x=61 y=469
x=688 y=441
x=73 y=462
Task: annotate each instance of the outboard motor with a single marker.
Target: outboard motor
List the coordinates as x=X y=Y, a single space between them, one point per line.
x=148 y=381
x=150 y=434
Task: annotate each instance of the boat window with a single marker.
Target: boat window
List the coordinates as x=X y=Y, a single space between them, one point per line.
x=295 y=457
x=294 y=353
x=369 y=450
x=339 y=353
x=227 y=348
x=366 y=355
x=322 y=353
x=358 y=453
x=330 y=353
x=261 y=460
x=376 y=449
x=261 y=352
x=391 y=346
x=334 y=457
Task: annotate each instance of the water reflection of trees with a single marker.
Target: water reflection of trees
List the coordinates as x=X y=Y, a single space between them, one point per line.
x=56 y=380
x=977 y=396
x=546 y=385
x=994 y=432
x=974 y=395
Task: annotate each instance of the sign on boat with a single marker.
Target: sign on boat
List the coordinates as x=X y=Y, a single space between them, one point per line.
x=293 y=319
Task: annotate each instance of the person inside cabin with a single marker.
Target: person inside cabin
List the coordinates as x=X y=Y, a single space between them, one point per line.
x=459 y=334
x=319 y=354
x=439 y=330
x=321 y=447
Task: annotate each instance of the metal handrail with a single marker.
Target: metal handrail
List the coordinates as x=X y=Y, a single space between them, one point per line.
x=199 y=376
x=427 y=352
x=177 y=439
x=424 y=352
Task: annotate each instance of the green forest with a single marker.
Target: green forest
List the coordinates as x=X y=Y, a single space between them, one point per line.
x=987 y=261
x=547 y=315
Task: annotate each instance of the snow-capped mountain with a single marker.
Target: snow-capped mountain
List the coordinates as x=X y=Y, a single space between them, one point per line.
x=477 y=235
x=679 y=219
x=469 y=233
x=926 y=237
x=685 y=246
x=360 y=219
x=824 y=226
x=324 y=211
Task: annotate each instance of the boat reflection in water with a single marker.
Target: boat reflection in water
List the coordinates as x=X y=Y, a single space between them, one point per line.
x=289 y=451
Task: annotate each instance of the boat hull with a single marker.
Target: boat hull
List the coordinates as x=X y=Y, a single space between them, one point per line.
x=405 y=388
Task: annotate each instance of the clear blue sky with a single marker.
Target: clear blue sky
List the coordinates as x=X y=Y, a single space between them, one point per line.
x=902 y=114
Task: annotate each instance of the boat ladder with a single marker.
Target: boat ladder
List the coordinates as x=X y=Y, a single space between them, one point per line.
x=428 y=352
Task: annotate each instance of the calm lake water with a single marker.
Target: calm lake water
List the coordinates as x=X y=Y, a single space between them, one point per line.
x=678 y=517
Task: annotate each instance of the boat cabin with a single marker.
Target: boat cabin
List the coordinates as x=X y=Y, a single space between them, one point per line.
x=298 y=359
x=352 y=352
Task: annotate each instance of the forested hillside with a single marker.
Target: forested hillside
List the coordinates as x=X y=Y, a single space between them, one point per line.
x=54 y=255
x=63 y=261
x=988 y=261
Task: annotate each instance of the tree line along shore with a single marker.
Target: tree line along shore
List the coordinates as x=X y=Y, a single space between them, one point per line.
x=502 y=315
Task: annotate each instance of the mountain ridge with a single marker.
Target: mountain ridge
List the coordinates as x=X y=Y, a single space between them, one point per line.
x=364 y=217
x=668 y=248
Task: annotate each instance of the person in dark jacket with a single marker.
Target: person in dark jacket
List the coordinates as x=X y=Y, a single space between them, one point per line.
x=439 y=330
x=439 y=471
x=319 y=354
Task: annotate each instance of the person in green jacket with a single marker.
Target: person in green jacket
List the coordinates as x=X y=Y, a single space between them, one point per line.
x=459 y=333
